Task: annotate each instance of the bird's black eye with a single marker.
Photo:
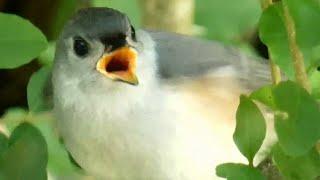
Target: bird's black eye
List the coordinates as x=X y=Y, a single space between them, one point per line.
x=80 y=46
x=133 y=33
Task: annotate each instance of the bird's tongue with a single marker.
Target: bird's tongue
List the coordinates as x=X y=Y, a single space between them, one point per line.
x=119 y=65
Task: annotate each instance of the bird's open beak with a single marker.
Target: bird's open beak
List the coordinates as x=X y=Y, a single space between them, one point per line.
x=119 y=65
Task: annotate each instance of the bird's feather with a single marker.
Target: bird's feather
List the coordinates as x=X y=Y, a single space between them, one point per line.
x=186 y=56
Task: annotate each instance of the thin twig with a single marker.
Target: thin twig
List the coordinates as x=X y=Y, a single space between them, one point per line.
x=275 y=70
x=296 y=54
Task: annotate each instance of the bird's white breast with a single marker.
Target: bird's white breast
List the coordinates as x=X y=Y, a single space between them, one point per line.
x=114 y=136
x=177 y=130
x=180 y=132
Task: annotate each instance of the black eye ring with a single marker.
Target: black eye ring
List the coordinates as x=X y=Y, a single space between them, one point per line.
x=80 y=46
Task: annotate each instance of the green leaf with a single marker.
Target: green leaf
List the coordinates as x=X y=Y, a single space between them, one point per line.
x=131 y=8
x=297 y=125
x=304 y=13
x=314 y=72
x=65 y=10
x=20 y=41
x=26 y=156
x=233 y=171
x=306 y=167
x=59 y=164
x=273 y=32
x=225 y=21
x=264 y=95
x=36 y=90
x=47 y=56
x=3 y=143
x=250 y=128
x=314 y=77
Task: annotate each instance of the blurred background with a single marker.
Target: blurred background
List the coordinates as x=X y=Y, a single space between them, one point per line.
x=228 y=21
x=231 y=22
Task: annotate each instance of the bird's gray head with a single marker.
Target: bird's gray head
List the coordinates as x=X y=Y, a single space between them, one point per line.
x=99 y=45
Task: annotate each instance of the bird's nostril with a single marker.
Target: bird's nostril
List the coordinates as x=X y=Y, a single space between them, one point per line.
x=117 y=64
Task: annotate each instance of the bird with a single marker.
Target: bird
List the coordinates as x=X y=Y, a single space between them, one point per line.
x=141 y=104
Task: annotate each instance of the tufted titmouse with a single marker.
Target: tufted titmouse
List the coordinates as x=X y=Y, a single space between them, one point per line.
x=147 y=105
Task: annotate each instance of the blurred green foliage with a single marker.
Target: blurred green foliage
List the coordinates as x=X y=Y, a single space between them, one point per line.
x=59 y=164
x=306 y=166
x=298 y=123
x=47 y=56
x=131 y=8
x=65 y=11
x=265 y=96
x=223 y=20
x=26 y=155
x=232 y=171
x=20 y=41
x=273 y=33
x=297 y=112
x=36 y=89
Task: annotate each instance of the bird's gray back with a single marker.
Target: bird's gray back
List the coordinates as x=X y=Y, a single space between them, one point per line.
x=180 y=55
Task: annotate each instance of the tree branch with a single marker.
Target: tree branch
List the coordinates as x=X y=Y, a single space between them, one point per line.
x=296 y=54
x=168 y=15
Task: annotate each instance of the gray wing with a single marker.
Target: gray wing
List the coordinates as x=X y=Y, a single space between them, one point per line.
x=180 y=55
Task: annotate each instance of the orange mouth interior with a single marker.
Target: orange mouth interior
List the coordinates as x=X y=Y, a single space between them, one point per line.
x=119 y=65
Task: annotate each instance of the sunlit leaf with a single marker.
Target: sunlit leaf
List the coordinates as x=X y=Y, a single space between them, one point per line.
x=233 y=171
x=250 y=129
x=20 y=41
x=297 y=124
